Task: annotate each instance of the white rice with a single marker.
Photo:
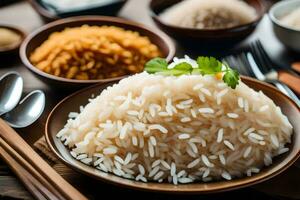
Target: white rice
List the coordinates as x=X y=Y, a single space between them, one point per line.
x=220 y=135
x=183 y=136
x=206 y=110
x=218 y=141
x=209 y=14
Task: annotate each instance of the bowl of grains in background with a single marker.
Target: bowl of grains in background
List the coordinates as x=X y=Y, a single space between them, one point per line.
x=10 y=39
x=213 y=23
x=75 y=52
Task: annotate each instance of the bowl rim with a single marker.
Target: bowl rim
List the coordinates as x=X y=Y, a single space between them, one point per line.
x=246 y=181
x=212 y=31
x=25 y=60
x=86 y=8
x=52 y=15
x=276 y=21
x=42 y=10
x=17 y=30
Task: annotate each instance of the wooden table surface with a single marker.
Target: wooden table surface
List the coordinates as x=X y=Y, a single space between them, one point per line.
x=21 y=14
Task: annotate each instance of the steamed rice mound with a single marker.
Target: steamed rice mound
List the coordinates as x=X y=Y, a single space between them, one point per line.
x=177 y=129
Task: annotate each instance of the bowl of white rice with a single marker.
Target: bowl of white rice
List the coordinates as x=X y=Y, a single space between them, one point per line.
x=186 y=134
x=285 y=17
x=213 y=22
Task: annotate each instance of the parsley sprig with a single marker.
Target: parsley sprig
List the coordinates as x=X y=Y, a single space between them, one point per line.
x=206 y=66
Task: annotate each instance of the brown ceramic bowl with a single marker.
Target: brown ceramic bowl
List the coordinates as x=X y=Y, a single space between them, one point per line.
x=59 y=115
x=49 y=14
x=36 y=38
x=13 y=48
x=217 y=38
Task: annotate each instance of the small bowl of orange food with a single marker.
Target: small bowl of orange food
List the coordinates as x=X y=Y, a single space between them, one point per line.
x=75 y=52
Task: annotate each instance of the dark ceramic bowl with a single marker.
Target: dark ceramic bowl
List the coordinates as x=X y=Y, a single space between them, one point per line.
x=193 y=36
x=50 y=14
x=36 y=38
x=13 y=48
x=59 y=115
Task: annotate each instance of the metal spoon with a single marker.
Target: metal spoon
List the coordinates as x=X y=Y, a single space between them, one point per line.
x=27 y=111
x=45 y=182
x=11 y=87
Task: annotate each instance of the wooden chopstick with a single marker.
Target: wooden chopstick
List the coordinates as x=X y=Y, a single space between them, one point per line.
x=17 y=163
x=293 y=81
x=16 y=142
x=296 y=66
x=23 y=175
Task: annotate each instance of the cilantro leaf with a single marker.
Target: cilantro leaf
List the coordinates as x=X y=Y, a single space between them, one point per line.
x=206 y=66
x=231 y=78
x=156 y=65
x=180 y=69
x=184 y=66
x=160 y=66
x=209 y=65
x=196 y=71
x=172 y=72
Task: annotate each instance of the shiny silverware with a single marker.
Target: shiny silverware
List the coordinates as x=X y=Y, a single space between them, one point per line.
x=16 y=113
x=283 y=75
x=27 y=111
x=247 y=65
x=11 y=87
x=44 y=182
x=281 y=86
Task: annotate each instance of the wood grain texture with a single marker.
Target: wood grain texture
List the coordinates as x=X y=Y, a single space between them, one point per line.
x=22 y=174
x=31 y=178
x=10 y=186
x=17 y=144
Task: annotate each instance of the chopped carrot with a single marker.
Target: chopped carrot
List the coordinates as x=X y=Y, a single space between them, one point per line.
x=219 y=75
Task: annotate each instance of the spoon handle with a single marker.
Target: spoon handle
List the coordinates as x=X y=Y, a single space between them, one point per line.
x=17 y=143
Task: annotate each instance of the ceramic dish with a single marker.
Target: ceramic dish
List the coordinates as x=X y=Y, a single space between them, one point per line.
x=228 y=36
x=14 y=47
x=35 y=39
x=50 y=14
x=287 y=35
x=59 y=115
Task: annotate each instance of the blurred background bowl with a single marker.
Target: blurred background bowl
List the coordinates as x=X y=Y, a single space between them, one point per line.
x=290 y=37
x=13 y=48
x=217 y=37
x=35 y=39
x=49 y=14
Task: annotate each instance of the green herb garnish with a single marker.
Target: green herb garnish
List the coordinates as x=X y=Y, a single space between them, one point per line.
x=209 y=65
x=156 y=65
x=231 y=76
x=160 y=66
x=205 y=66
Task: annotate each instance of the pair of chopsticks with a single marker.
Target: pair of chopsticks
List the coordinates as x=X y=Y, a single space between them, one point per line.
x=37 y=175
x=37 y=189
